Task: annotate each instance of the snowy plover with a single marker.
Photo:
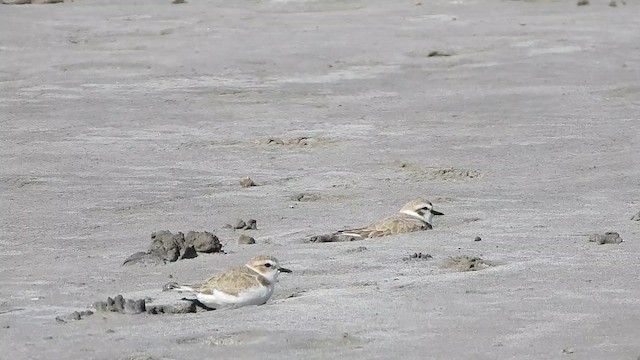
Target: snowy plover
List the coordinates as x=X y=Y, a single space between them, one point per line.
x=415 y=215
x=251 y=284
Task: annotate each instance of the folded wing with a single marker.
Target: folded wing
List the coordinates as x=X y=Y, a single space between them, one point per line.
x=396 y=224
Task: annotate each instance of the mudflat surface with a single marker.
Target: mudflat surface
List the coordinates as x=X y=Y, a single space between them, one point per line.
x=118 y=120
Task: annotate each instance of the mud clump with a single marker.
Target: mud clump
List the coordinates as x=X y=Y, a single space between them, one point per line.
x=246 y=240
x=240 y=224
x=610 y=237
x=203 y=241
x=417 y=256
x=168 y=247
x=184 y=307
x=74 y=316
x=246 y=182
x=250 y=224
x=121 y=305
x=465 y=263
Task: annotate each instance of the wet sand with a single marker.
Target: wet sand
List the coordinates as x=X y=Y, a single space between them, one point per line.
x=122 y=120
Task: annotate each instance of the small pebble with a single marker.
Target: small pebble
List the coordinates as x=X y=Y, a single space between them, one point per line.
x=240 y=224
x=478 y=238
x=252 y=224
x=612 y=3
x=583 y=2
x=636 y=217
x=247 y=182
x=246 y=240
x=227 y=226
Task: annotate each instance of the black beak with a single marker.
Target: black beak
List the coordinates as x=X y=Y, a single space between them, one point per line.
x=284 y=270
x=436 y=212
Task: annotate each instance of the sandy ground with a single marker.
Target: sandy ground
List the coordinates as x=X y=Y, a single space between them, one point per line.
x=120 y=120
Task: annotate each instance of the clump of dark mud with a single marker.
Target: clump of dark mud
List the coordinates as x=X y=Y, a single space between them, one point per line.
x=466 y=263
x=121 y=305
x=610 y=237
x=417 y=256
x=240 y=224
x=246 y=240
x=168 y=247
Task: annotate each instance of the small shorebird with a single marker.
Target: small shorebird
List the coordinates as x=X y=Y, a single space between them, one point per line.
x=251 y=284
x=415 y=215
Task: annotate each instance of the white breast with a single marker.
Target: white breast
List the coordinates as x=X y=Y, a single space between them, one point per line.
x=256 y=295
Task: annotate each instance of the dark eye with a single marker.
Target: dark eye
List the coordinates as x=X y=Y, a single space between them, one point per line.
x=267 y=265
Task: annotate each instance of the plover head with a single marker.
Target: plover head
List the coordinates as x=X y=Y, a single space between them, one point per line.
x=266 y=266
x=420 y=208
